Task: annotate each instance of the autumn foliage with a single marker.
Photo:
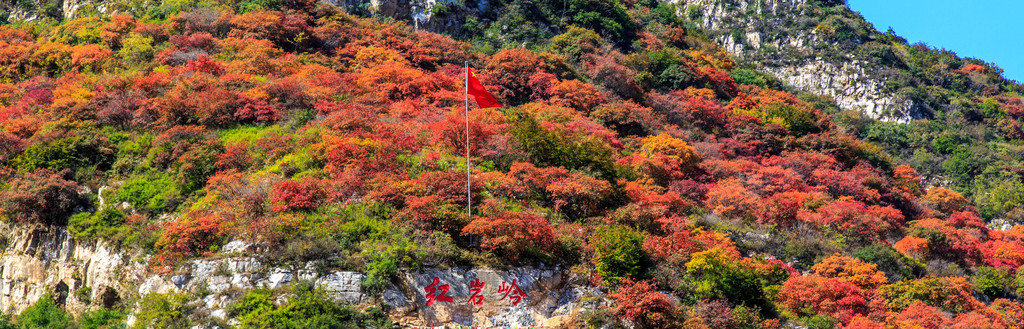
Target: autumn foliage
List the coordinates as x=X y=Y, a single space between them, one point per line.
x=645 y=165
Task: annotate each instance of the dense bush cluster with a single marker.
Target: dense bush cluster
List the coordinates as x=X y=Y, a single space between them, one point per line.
x=630 y=148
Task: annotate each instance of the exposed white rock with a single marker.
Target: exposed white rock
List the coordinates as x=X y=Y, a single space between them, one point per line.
x=278 y=278
x=848 y=85
x=40 y=260
x=850 y=82
x=343 y=286
x=236 y=246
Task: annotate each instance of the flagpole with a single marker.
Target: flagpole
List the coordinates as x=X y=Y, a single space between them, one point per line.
x=469 y=190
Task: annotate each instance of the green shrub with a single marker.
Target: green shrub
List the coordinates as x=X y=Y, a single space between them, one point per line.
x=991 y=109
x=137 y=49
x=107 y=223
x=255 y=5
x=306 y=308
x=800 y=121
x=606 y=17
x=44 y=314
x=55 y=155
x=962 y=167
x=889 y=134
x=944 y=145
x=895 y=265
x=992 y=282
x=155 y=193
x=551 y=149
x=679 y=77
x=576 y=42
x=819 y=322
x=716 y=275
x=619 y=254
x=749 y=77
x=50 y=9
x=83 y=295
x=102 y=318
x=163 y=311
x=6 y=322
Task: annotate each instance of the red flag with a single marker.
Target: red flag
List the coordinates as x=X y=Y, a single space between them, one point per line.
x=483 y=98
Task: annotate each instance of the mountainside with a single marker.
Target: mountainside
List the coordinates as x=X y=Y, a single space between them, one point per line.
x=293 y=163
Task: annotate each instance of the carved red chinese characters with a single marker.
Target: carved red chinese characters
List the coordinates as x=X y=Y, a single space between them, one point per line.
x=437 y=292
x=512 y=292
x=476 y=287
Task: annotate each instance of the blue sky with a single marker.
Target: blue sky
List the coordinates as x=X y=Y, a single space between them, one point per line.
x=989 y=30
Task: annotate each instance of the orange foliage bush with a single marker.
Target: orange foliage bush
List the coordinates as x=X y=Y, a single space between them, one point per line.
x=639 y=302
x=852 y=270
x=304 y=194
x=188 y=237
x=678 y=246
x=512 y=232
x=813 y=294
x=731 y=198
x=946 y=200
x=578 y=195
x=912 y=246
x=576 y=95
x=672 y=147
x=921 y=315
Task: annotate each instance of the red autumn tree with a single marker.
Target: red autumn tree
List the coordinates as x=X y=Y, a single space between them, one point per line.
x=451 y=132
x=188 y=237
x=971 y=320
x=855 y=218
x=922 y=315
x=782 y=208
x=256 y=110
x=236 y=156
x=813 y=294
x=641 y=303
x=861 y=322
x=1012 y=312
x=292 y=195
x=511 y=69
x=514 y=233
x=118 y=27
x=41 y=196
x=578 y=195
x=677 y=246
x=908 y=179
x=628 y=118
x=432 y=213
x=731 y=198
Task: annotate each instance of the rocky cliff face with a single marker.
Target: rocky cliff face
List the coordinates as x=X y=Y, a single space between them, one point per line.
x=849 y=85
x=46 y=260
x=35 y=9
x=39 y=260
x=773 y=36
